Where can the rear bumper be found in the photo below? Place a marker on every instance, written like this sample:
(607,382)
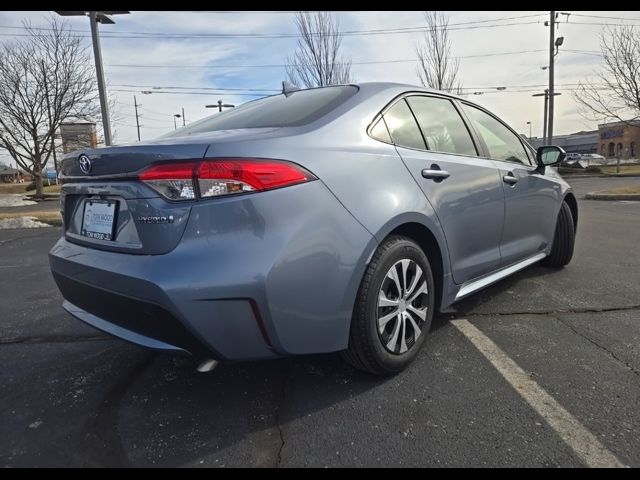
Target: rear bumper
(253,277)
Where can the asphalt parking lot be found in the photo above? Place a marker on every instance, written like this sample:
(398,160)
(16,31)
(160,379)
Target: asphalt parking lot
(72,396)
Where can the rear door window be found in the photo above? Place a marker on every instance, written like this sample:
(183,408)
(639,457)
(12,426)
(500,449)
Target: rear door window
(403,127)
(442,126)
(379,131)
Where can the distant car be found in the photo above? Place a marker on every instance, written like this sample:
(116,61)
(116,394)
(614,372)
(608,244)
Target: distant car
(320,220)
(589,159)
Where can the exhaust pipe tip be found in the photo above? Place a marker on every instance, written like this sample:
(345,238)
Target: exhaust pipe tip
(207,366)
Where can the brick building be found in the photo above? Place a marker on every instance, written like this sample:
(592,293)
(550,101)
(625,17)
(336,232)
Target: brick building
(619,140)
(78,135)
(611,140)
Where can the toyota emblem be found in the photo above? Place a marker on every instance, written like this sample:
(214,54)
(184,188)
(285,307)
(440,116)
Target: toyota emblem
(85,164)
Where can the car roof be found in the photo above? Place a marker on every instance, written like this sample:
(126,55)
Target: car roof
(402,87)
(396,88)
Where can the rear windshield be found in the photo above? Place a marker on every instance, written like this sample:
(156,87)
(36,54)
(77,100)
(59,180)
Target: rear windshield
(298,108)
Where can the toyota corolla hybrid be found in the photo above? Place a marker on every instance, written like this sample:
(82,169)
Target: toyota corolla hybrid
(321,220)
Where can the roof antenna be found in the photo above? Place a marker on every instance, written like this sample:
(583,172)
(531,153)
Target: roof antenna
(289,88)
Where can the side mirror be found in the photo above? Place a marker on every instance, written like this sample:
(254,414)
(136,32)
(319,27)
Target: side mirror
(550,155)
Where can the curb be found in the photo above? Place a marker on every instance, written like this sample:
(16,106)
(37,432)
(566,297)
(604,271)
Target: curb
(612,196)
(600,175)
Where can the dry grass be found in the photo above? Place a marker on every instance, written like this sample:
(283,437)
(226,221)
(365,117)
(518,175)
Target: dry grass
(52,218)
(622,190)
(22,188)
(623,169)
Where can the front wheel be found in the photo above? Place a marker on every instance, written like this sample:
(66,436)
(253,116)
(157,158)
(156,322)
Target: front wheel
(563,239)
(393,310)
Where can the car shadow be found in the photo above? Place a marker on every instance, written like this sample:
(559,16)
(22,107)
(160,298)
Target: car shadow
(469,305)
(170,415)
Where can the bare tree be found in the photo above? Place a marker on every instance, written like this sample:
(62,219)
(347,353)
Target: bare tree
(45,79)
(317,62)
(614,93)
(437,68)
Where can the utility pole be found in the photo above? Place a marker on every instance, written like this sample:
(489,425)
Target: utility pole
(184,122)
(552,39)
(220,105)
(544,122)
(53,133)
(135,105)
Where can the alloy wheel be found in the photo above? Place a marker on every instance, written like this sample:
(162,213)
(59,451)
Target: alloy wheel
(402,306)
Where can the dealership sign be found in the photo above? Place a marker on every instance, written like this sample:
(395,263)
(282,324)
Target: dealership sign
(612,133)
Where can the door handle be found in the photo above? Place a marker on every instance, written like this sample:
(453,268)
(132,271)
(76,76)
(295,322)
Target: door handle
(435,174)
(510,179)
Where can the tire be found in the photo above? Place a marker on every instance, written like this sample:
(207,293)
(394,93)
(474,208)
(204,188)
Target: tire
(383,339)
(563,239)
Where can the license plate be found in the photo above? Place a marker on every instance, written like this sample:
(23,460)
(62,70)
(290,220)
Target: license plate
(98,219)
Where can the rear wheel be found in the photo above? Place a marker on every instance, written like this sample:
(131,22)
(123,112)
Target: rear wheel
(393,310)
(563,240)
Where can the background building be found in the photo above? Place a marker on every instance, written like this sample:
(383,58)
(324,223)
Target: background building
(78,135)
(579,142)
(611,140)
(619,140)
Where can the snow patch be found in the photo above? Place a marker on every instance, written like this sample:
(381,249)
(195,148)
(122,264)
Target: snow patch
(21,222)
(15,200)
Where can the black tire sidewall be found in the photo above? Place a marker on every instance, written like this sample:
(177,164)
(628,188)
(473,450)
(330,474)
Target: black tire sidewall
(402,249)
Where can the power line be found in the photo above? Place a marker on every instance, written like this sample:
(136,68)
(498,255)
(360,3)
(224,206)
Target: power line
(283,65)
(604,16)
(402,30)
(261,90)
(196,93)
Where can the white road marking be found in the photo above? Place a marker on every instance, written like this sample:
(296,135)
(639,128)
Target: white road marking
(572,432)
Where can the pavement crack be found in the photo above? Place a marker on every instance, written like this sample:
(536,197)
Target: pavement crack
(19,239)
(54,339)
(283,397)
(601,347)
(460,315)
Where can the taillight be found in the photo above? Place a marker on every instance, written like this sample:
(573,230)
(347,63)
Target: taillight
(222,176)
(174,181)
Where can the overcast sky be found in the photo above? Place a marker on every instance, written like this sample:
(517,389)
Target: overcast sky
(144,50)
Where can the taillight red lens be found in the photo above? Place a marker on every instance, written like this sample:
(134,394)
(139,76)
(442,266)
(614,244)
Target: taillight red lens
(235,175)
(169,171)
(222,176)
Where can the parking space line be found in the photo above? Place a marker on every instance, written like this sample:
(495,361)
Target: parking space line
(572,432)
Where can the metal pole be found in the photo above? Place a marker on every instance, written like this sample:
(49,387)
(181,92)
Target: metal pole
(135,104)
(552,35)
(183,120)
(53,133)
(546,106)
(106,126)
(219,105)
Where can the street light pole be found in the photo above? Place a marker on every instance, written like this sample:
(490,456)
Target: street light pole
(96,17)
(97,55)
(135,105)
